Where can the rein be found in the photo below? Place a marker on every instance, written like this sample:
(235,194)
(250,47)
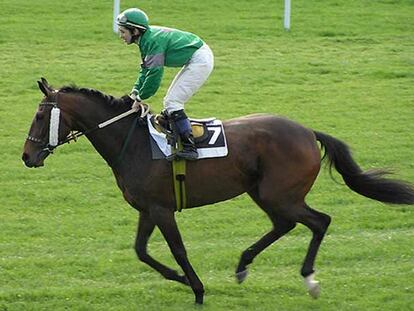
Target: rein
(73,136)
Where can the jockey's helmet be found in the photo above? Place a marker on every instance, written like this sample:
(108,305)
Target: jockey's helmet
(133,18)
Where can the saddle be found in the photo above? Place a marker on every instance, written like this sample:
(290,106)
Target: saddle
(199,127)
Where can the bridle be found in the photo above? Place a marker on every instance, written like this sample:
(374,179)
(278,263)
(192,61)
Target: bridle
(54,125)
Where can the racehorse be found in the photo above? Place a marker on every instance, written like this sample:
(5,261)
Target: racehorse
(273,159)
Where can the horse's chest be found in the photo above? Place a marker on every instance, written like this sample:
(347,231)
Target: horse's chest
(141,192)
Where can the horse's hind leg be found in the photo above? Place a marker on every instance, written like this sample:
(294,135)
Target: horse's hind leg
(281,227)
(317,222)
(284,218)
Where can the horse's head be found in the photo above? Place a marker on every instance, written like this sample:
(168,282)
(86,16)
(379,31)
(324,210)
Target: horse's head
(47,128)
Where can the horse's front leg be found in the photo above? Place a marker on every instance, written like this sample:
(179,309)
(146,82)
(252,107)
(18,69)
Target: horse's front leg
(145,229)
(165,220)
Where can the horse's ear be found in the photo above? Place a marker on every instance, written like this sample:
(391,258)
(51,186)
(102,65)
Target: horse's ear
(44,81)
(44,87)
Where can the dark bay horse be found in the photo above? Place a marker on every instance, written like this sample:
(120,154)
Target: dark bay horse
(274,160)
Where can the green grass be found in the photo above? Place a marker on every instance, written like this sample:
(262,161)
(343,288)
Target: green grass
(345,68)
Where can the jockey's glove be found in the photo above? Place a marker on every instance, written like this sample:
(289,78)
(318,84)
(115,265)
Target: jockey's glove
(136,105)
(134,95)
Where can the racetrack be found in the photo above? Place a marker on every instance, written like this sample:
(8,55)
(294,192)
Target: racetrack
(346,68)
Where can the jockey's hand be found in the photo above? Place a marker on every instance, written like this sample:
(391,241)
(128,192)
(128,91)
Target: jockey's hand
(136,105)
(137,101)
(134,95)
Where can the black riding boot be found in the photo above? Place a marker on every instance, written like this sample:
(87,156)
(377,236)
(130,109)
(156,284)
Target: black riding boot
(183,127)
(189,151)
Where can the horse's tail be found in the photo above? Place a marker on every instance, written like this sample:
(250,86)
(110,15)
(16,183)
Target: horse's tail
(371,184)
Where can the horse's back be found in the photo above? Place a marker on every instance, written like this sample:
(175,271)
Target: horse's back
(262,149)
(271,128)
(273,145)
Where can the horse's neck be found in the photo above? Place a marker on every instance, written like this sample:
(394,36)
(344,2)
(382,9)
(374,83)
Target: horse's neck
(108,141)
(84,112)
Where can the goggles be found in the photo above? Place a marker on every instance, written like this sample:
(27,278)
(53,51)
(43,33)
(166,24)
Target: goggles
(122,19)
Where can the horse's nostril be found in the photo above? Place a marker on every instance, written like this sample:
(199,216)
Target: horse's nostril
(25,157)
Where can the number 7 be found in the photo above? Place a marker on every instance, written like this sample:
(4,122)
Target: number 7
(216,134)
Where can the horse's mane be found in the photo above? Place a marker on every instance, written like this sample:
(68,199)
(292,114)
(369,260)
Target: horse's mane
(118,103)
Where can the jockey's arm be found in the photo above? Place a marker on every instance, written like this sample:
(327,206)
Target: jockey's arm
(151,72)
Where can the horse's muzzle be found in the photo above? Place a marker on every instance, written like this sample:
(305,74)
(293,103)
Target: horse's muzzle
(35,161)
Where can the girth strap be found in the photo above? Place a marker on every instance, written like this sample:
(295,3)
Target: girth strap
(179,169)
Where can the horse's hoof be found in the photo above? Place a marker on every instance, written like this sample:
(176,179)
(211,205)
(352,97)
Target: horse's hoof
(199,300)
(315,291)
(241,276)
(313,286)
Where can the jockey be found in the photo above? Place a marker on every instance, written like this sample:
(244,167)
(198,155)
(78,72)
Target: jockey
(159,47)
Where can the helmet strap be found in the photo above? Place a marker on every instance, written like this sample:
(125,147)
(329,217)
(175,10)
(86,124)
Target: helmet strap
(136,36)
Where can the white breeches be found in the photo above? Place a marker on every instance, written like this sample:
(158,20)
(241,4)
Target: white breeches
(189,79)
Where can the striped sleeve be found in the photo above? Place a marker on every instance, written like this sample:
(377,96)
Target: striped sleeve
(152,69)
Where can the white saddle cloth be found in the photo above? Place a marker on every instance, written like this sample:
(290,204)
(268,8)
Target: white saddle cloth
(214,146)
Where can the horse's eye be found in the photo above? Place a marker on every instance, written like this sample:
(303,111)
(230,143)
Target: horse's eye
(39,116)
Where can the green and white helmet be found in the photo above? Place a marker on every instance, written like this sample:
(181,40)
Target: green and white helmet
(133,18)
